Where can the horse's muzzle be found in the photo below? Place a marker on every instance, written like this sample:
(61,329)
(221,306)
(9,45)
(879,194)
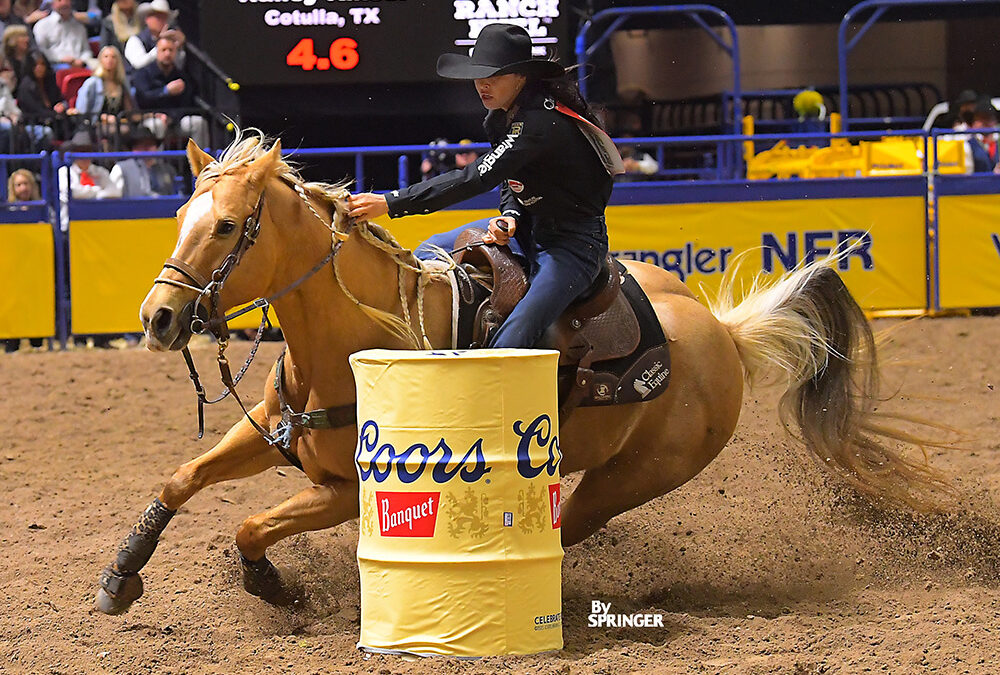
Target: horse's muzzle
(168,329)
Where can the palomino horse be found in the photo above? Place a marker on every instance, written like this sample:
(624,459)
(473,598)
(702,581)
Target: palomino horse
(260,228)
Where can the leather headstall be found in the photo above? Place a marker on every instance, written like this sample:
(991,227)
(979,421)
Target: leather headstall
(219,327)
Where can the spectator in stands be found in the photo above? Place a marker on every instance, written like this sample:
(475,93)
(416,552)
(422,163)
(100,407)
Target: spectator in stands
(964,110)
(105,96)
(146,176)
(163,86)
(84,179)
(89,13)
(140,50)
(464,158)
(436,160)
(40,99)
(121,24)
(10,133)
(16,47)
(8,17)
(638,164)
(30,10)
(808,105)
(63,38)
(984,146)
(9,116)
(22,186)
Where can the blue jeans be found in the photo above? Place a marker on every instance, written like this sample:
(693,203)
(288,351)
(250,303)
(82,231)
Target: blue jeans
(564,258)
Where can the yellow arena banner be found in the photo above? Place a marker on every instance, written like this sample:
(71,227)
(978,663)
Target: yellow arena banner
(700,241)
(27,277)
(969,251)
(112,266)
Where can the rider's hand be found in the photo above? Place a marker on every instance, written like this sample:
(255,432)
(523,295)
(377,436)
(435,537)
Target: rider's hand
(367,206)
(501,230)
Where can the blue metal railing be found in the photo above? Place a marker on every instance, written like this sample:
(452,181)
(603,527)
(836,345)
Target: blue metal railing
(708,177)
(879,8)
(618,16)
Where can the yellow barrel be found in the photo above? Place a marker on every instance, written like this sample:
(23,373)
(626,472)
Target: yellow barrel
(458,459)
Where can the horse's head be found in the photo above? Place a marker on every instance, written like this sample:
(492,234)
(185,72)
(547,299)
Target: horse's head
(222,250)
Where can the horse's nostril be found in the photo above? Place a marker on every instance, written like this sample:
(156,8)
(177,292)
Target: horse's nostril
(162,320)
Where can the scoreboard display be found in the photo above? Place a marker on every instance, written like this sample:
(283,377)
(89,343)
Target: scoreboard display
(290,42)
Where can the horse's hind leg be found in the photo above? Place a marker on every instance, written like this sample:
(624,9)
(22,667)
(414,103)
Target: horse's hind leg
(315,508)
(642,471)
(241,453)
(603,493)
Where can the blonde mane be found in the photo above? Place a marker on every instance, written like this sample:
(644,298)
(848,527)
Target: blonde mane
(251,144)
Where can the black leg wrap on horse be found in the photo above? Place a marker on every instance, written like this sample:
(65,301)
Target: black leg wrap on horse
(113,582)
(261,578)
(138,546)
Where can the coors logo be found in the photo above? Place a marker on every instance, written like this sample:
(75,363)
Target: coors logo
(407,514)
(376,459)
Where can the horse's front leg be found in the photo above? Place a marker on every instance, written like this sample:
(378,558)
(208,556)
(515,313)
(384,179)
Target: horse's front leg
(315,508)
(240,453)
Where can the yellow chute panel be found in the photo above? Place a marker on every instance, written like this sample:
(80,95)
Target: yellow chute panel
(27,281)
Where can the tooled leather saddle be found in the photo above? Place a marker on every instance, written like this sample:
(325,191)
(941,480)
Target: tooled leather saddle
(611,346)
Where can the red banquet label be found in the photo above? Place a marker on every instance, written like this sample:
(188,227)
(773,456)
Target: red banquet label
(555,508)
(407,514)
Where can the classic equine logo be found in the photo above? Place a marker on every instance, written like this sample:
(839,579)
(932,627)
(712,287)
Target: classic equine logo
(407,514)
(600,616)
(650,379)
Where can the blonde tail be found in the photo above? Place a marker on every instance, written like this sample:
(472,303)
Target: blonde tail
(809,326)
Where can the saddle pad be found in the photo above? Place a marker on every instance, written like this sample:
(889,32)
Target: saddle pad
(645,373)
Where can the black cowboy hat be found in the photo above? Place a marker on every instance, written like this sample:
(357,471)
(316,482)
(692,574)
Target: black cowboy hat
(500,49)
(140,134)
(81,141)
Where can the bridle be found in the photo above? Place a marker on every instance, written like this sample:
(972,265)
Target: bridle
(218,326)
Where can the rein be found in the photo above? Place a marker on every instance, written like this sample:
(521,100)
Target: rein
(325,418)
(219,326)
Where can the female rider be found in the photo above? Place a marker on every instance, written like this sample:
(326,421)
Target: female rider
(554,184)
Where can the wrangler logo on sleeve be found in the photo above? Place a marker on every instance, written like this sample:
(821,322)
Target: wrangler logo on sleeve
(505,145)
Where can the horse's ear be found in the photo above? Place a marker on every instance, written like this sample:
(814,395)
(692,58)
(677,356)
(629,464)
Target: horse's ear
(197,157)
(262,167)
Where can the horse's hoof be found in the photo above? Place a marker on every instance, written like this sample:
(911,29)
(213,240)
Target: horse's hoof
(117,592)
(262,579)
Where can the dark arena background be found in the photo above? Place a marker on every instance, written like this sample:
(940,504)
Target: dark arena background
(768,134)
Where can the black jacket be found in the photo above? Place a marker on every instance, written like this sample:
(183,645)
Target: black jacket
(545,165)
(31,98)
(151,88)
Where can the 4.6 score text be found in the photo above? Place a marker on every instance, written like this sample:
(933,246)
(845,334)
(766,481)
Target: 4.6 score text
(343,55)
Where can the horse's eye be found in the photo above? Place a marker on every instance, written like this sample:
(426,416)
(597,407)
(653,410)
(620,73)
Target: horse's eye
(225,227)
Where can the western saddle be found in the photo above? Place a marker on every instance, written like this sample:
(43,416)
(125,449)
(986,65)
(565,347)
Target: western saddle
(599,327)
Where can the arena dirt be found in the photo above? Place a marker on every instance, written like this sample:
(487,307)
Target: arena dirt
(759,565)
